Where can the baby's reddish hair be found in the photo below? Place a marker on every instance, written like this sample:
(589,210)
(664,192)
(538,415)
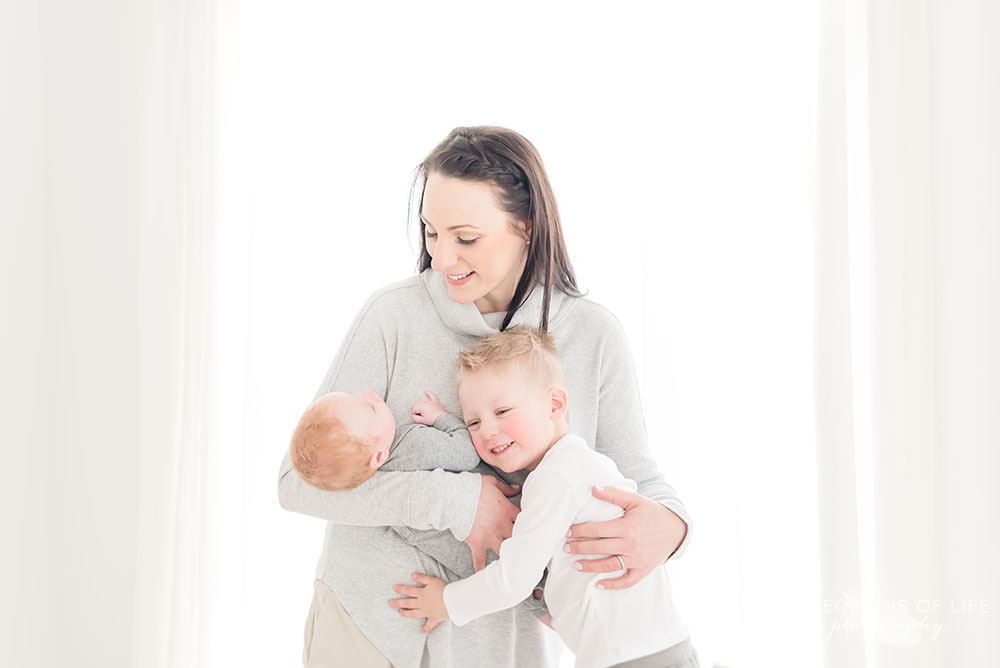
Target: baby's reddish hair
(325,454)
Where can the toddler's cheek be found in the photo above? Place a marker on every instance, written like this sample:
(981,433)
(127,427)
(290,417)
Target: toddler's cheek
(482,452)
(516,430)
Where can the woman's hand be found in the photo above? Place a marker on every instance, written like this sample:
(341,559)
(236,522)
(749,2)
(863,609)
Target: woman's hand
(423,602)
(427,411)
(494,521)
(644,538)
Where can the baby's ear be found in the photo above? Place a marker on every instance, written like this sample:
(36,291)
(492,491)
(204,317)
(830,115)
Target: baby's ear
(378,458)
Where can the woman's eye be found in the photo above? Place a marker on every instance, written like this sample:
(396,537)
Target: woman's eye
(430,235)
(467,242)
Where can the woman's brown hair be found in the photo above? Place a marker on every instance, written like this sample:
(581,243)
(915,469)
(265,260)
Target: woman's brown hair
(510,164)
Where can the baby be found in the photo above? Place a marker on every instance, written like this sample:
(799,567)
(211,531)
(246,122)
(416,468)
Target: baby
(514,402)
(341,439)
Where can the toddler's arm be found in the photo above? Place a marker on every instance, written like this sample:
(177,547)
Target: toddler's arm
(548,506)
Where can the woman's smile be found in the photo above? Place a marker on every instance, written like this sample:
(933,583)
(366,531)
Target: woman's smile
(459,279)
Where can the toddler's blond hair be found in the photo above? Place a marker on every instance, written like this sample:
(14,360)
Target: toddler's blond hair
(325,454)
(532,350)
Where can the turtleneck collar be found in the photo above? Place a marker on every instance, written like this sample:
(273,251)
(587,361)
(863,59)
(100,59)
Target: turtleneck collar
(466,318)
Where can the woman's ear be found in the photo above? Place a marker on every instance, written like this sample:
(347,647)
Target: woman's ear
(526,230)
(559,402)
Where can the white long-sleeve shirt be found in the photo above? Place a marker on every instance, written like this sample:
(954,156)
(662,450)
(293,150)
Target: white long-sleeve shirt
(602,627)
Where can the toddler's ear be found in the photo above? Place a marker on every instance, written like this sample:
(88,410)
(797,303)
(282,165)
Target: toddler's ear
(559,401)
(378,458)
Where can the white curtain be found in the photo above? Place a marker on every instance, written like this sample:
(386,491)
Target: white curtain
(108,264)
(908,320)
(189,593)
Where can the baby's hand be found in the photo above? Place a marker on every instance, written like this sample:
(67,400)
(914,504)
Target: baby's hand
(427,411)
(423,602)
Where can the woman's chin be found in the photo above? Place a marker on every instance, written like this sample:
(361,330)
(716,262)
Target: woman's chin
(460,296)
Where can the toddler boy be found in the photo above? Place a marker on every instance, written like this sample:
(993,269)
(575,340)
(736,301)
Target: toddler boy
(514,403)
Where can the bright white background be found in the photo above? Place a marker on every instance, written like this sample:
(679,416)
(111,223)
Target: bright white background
(676,138)
(791,206)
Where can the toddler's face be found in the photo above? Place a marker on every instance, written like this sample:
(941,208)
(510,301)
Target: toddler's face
(509,417)
(366,416)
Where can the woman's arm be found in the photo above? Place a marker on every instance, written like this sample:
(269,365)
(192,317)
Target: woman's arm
(419,499)
(656,523)
(472,507)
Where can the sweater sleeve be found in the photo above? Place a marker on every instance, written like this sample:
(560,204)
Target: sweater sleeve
(446,445)
(420,499)
(621,428)
(548,506)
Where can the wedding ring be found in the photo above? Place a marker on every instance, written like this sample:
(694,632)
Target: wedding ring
(621,561)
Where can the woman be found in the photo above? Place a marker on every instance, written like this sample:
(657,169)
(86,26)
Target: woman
(492,256)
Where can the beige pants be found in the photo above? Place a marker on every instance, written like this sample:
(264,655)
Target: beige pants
(332,639)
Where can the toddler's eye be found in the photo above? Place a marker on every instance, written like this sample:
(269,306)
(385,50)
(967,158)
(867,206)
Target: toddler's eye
(502,411)
(473,424)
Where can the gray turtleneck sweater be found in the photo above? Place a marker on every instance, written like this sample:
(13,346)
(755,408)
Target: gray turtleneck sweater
(404,341)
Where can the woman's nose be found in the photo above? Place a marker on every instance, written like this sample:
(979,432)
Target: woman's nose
(444,258)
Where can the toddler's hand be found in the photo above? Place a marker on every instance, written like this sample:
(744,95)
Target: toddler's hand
(424,602)
(427,411)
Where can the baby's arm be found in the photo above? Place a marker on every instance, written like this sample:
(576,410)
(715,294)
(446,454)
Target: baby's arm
(438,440)
(548,506)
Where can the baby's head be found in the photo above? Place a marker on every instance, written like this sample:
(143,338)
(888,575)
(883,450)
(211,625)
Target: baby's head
(513,397)
(341,439)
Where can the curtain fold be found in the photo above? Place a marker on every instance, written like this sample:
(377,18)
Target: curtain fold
(178,222)
(837,130)
(964,75)
(903,327)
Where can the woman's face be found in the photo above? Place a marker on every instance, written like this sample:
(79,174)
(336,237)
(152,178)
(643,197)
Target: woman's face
(472,242)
